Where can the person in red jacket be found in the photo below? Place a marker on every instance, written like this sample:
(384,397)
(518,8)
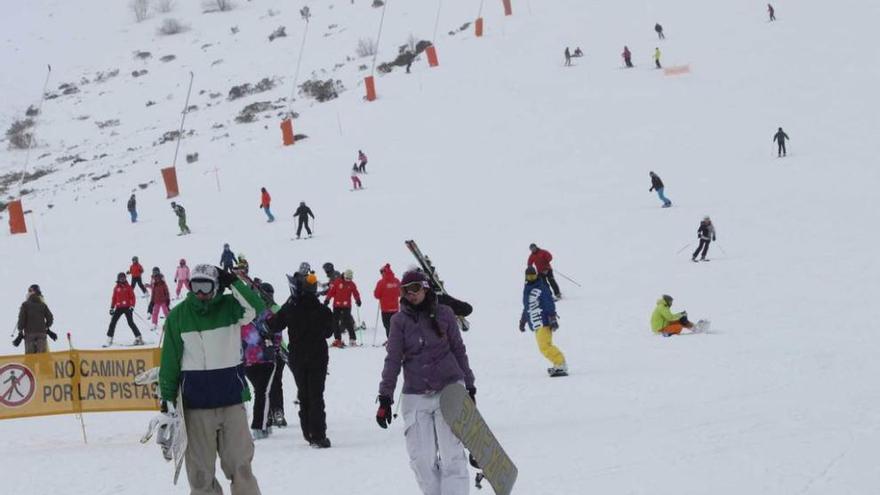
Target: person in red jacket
(122,304)
(540,259)
(136,271)
(341,291)
(265,201)
(387,291)
(161,296)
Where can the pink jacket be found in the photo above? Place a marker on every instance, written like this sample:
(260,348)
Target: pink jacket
(182,273)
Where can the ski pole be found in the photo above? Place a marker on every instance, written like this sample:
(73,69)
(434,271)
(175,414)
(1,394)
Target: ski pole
(376,327)
(683,248)
(566,277)
(722,249)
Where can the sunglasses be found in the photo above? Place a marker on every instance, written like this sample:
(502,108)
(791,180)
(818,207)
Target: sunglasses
(202,286)
(414,287)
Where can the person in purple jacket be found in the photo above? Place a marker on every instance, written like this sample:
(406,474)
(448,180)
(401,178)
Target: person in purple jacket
(426,342)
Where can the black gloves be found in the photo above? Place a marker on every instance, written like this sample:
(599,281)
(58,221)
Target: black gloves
(554,324)
(18,338)
(522,324)
(52,335)
(358,303)
(111,311)
(225,279)
(383,414)
(472,391)
(326,302)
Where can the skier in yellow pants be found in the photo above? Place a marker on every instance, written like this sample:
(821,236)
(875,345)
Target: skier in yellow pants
(539,311)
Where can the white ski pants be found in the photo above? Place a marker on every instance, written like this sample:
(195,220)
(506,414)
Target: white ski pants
(436,456)
(223,431)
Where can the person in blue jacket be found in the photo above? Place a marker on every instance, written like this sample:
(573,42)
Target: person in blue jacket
(227,259)
(539,311)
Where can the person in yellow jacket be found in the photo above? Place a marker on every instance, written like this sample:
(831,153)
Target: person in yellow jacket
(657,57)
(665,322)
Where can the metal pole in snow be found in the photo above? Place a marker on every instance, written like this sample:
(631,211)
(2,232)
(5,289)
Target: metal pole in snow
(183,118)
(79,415)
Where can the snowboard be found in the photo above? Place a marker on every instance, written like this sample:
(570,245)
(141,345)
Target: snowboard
(702,326)
(171,428)
(468,425)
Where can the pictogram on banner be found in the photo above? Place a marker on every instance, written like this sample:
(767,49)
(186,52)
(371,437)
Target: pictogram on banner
(17,385)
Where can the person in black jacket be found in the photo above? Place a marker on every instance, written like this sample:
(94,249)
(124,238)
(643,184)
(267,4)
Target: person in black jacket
(706,234)
(657,185)
(309,324)
(132,208)
(659,29)
(780,137)
(34,320)
(302,215)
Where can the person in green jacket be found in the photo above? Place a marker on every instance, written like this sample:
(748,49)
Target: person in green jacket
(202,365)
(665,322)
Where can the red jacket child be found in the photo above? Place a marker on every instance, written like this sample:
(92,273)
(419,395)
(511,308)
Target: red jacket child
(265,199)
(136,270)
(341,291)
(160,293)
(123,294)
(387,291)
(540,259)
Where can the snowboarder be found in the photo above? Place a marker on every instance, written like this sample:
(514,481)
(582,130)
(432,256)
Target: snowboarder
(657,185)
(355,180)
(201,356)
(567,57)
(780,138)
(426,342)
(132,209)
(341,291)
(627,57)
(181,276)
(34,320)
(265,201)
(410,58)
(772,12)
(578,53)
(261,350)
(180,211)
(706,234)
(122,304)
(665,322)
(227,258)
(387,291)
(362,162)
(136,271)
(302,215)
(657,57)
(160,296)
(539,311)
(540,259)
(309,325)
(332,274)
(659,30)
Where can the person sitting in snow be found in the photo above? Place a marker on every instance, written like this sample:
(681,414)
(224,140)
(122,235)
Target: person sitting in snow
(665,322)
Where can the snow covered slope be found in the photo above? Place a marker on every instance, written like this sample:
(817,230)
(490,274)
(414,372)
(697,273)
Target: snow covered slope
(498,147)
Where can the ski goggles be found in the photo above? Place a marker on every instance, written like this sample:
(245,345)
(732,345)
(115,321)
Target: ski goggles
(201,286)
(413,287)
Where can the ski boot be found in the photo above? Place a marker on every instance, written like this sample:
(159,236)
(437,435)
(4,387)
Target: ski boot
(109,342)
(138,340)
(337,343)
(561,370)
(321,443)
(278,419)
(352,342)
(261,434)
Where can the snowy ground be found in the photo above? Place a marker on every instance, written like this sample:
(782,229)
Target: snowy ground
(498,147)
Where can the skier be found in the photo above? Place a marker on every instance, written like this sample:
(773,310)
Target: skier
(426,342)
(136,271)
(362,162)
(780,138)
(659,29)
(261,349)
(309,325)
(355,180)
(265,201)
(706,234)
(302,215)
(332,274)
(567,57)
(181,218)
(276,390)
(122,304)
(160,298)
(665,322)
(657,185)
(132,209)
(411,57)
(627,57)
(341,291)
(539,311)
(578,53)
(227,258)
(34,320)
(772,12)
(387,291)
(201,356)
(540,259)
(657,57)
(181,276)
(241,264)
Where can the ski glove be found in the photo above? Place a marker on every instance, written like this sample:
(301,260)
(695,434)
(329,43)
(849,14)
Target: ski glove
(554,324)
(52,335)
(358,303)
(18,338)
(111,311)
(522,324)
(383,414)
(224,278)
(472,391)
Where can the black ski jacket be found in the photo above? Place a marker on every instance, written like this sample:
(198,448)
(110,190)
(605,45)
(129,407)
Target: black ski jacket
(780,136)
(656,183)
(34,317)
(303,213)
(309,324)
(132,204)
(706,231)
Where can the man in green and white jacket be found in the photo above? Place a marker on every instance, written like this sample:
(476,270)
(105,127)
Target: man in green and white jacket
(202,357)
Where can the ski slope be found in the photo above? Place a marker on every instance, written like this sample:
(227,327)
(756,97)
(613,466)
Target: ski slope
(497,147)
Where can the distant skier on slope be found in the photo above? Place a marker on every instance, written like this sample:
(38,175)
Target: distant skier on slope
(302,215)
(657,57)
(122,304)
(659,30)
(132,209)
(780,138)
(540,259)
(667,323)
(181,218)
(772,12)
(539,311)
(657,185)
(355,179)
(362,162)
(266,203)
(567,57)
(578,52)
(136,270)
(706,234)
(627,57)
(227,258)
(387,291)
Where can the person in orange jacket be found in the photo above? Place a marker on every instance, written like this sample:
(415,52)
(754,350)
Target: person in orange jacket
(341,291)
(122,304)
(540,259)
(136,271)
(387,291)
(265,201)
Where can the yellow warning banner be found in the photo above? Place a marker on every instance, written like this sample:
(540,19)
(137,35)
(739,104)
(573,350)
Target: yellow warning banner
(74,382)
